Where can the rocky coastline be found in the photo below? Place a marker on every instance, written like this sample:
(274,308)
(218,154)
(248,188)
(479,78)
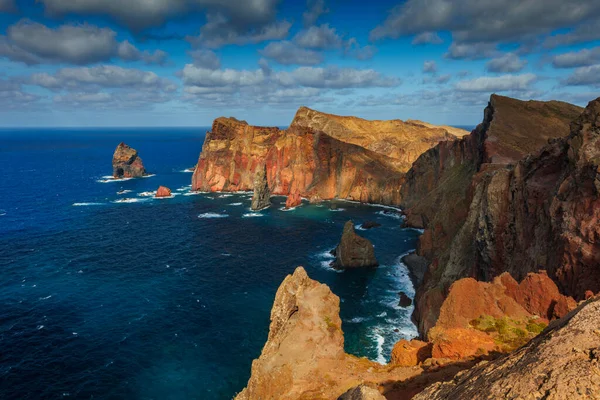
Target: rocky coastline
(509,215)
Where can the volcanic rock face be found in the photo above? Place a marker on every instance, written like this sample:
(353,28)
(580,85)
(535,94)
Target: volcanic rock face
(486,212)
(262,195)
(561,363)
(163,191)
(354,251)
(320,156)
(304,357)
(293,200)
(126,163)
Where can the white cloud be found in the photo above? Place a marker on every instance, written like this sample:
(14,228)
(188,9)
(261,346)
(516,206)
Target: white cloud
(585,57)
(508,62)
(287,53)
(316,8)
(497,84)
(429,67)
(318,37)
(427,38)
(589,75)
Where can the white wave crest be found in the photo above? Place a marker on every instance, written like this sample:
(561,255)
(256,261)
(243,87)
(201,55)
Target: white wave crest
(86,204)
(147,194)
(252,214)
(212,215)
(130,200)
(390,214)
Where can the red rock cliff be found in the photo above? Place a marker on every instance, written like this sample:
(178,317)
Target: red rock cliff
(502,210)
(320,155)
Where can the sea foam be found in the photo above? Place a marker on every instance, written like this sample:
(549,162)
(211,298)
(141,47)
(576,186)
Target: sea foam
(212,215)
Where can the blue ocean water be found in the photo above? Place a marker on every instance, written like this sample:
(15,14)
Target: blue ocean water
(121,296)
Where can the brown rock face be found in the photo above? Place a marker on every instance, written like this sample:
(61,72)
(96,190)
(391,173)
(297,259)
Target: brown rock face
(126,163)
(561,363)
(304,357)
(293,200)
(486,212)
(163,191)
(354,251)
(262,194)
(362,392)
(321,156)
(408,353)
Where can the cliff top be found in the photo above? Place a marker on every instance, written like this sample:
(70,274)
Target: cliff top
(518,128)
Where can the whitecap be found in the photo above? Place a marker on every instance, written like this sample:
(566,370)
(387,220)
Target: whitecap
(39,327)
(86,204)
(148,176)
(187,170)
(380,340)
(252,214)
(337,209)
(394,215)
(45,298)
(235,204)
(222,196)
(111,179)
(213,215)
(192,193)
(124,191)
(2,213)
(147,194)
(172,196)
(130,200)
(359,227)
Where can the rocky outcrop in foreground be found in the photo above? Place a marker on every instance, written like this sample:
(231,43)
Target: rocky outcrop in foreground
(562,363)
(262,194)
(320,156)
(488,207)
(163,191)
(354,251)
(126,163)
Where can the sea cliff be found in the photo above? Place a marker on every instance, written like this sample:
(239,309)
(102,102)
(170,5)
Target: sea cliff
(320,156)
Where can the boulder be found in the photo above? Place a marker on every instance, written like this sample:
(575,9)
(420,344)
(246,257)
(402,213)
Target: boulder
(262,195)
(362,392)
(163,191)
(405,301)
(410,353)
(354,251)
(126,163)
(370,224)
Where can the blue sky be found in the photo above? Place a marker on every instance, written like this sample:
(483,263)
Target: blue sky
(186,62)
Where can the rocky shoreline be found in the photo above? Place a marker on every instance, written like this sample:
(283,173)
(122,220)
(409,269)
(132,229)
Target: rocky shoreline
(510,225)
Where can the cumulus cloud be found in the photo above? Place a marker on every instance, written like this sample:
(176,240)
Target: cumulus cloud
(14,98)
(316,8)
(429,67)
(582,58)
(141,14)
(509,62)
(497,84)
(585,32)
(218,32)
(589,75)
(478,20)
(336,78)
(207,78)
(427,38)
(353,49)
(33,43)
(318,37)
(204,58)
(470,51)
(102,76)
(287,53)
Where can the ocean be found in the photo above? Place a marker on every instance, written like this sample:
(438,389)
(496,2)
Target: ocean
(122,296)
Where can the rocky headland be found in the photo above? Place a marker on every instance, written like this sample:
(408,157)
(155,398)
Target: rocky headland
(320,156)
(127,163)
(510,245)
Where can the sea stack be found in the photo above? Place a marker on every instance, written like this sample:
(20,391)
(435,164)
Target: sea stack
(354,251)
(163,191)
(262,194)
(126,163)
(293,200)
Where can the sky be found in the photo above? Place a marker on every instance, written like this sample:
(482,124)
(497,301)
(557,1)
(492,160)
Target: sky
(87,63)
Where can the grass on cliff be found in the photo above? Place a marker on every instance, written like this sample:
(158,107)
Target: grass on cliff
(508,333)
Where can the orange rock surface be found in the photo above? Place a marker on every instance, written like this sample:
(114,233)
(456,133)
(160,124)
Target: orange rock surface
(163,191)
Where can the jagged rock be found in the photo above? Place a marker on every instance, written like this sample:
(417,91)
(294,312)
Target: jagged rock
(354,251)
(320,156)
(126,163)
(405,301)
(410,353)
(262,195)
(561,363)
(370,224)
(163,191)
(417,266)
(362,392)
(488,208)
(293,200)
(304,357)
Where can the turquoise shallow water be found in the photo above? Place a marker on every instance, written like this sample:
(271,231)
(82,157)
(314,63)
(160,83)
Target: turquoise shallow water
(111,296)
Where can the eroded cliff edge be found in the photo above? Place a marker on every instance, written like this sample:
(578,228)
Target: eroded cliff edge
(517,195)
(319,156)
